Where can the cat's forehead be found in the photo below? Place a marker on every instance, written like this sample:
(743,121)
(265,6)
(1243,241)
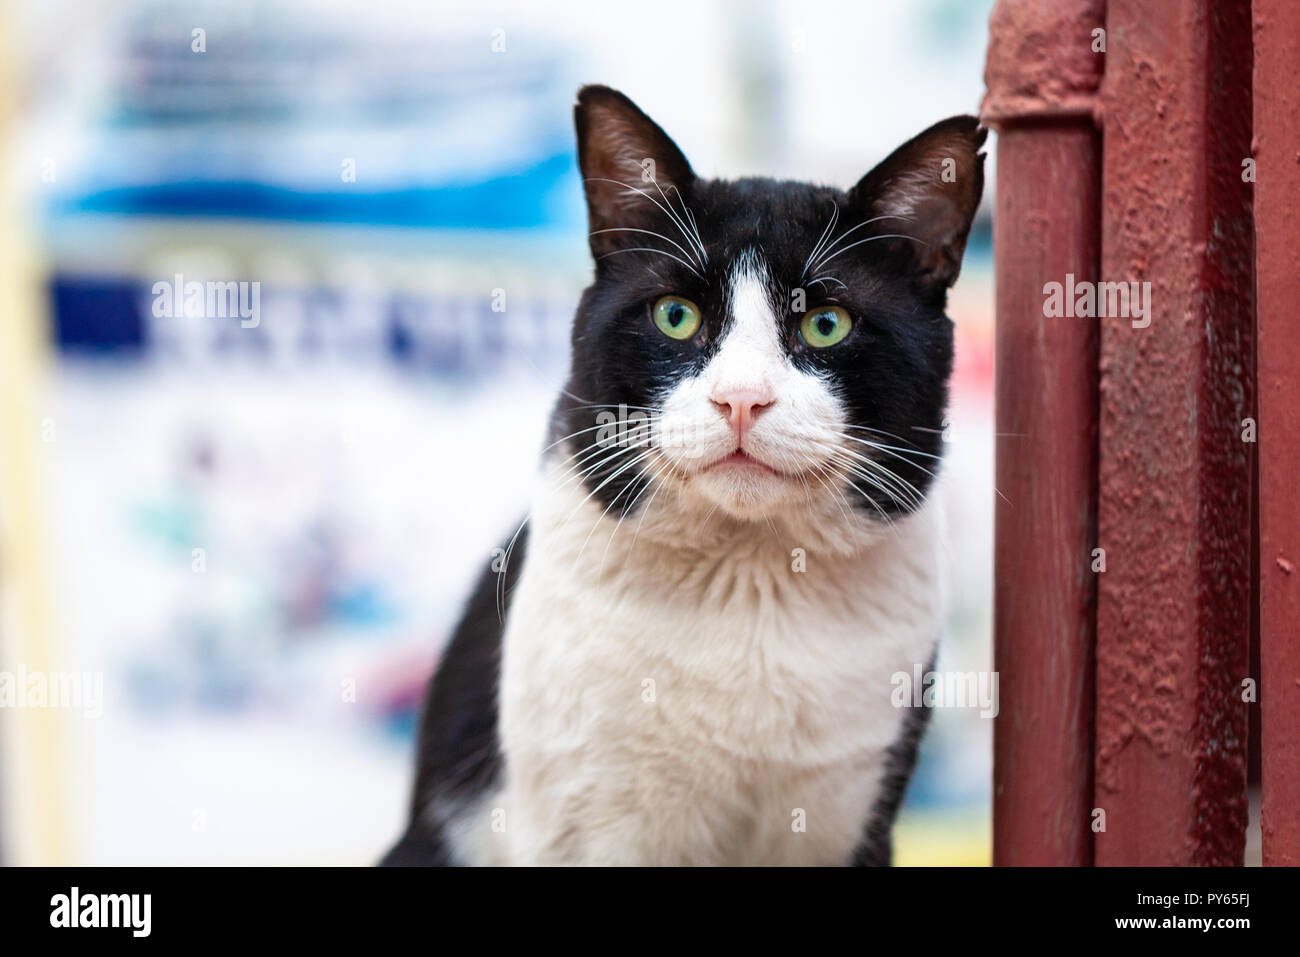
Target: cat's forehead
(753,203)
(780,220)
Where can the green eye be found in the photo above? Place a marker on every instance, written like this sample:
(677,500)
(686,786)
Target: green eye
(825,326)
(677,318)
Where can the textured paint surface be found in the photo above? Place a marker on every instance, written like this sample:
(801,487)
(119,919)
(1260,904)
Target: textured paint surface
(1046,524)
(1041,77)
(1040,61)
(1175,474)
(1277,232)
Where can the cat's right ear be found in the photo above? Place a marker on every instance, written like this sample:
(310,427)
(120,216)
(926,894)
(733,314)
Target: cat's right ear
(928,190)
(629,164)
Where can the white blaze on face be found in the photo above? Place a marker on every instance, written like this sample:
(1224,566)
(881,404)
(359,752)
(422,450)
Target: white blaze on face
(794,431)
(751,357)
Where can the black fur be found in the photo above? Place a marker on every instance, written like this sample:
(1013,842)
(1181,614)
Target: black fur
(458,754)
(877,847)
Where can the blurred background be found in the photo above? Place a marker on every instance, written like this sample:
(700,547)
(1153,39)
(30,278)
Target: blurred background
(260,535)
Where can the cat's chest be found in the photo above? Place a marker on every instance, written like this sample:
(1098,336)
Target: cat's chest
(766,648)
(642,684)
(757,666)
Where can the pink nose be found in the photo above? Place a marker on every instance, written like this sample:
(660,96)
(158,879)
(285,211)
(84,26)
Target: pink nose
(741,407)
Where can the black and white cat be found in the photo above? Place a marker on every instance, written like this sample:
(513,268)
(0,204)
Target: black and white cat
(687,658)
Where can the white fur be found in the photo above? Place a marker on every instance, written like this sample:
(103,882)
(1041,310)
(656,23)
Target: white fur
(673,691)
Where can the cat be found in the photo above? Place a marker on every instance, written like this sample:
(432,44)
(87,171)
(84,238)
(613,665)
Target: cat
(686,656)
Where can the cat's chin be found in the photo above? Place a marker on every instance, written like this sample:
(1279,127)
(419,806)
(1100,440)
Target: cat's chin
(745,488)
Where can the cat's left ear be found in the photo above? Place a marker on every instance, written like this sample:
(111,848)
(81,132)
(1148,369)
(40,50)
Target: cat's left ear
(929,188)
(630,168)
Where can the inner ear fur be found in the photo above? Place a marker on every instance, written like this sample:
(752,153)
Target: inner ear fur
(629,164)
(928,189)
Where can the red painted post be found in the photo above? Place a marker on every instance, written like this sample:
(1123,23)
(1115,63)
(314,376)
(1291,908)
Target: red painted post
(1277,262)
(1174,472)
(1042,79)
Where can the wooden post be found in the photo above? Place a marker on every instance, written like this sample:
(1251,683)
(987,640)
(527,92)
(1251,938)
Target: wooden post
(1042,78)
(1175,471)
(1277,259)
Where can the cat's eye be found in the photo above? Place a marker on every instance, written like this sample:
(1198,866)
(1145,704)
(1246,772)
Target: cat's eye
(825,326)
(677,318)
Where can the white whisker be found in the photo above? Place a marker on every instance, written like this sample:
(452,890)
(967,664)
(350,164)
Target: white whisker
(704,256)
(648,232)
(827,279)
(648,249)
(870,239)
(835,215)
(699,241)
(666,211)
(825,255)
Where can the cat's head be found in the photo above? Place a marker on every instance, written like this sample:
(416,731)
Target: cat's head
(757,346)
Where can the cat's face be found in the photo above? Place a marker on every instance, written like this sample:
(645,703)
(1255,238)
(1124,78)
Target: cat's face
(760,347)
